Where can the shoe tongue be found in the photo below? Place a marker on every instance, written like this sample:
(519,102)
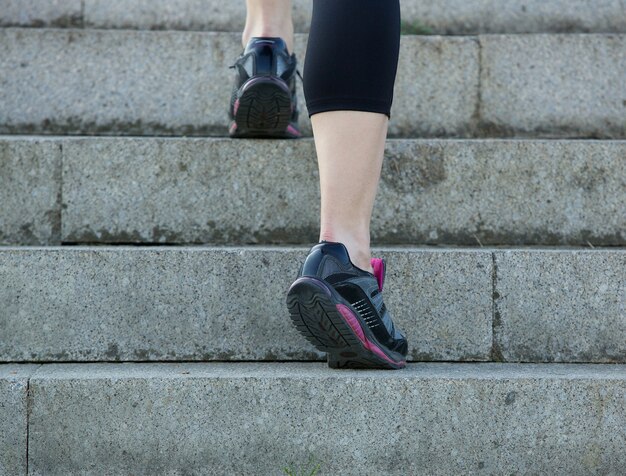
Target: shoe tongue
(379,271)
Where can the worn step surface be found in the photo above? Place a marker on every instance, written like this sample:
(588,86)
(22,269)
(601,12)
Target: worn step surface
(260,418)
(172,83)
(177,191)
(419,16)
(169,304)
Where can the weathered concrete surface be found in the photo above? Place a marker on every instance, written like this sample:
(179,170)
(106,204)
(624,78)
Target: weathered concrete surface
(259,418)
(553,85)
(77,81)
(502,192)
(168,304)
(562,306)
(432,191)
(437,87)
(38,13)
(164,191)
(516,16)
(146,83)
(30,191)
(190,191)
(74,81)
(443,17)
(210,15)
(13,417)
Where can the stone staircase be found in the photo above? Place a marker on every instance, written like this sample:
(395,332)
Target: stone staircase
(146,257)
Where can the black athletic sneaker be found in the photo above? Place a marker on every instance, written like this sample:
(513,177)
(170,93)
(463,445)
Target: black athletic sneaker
(263,103)
(339,308)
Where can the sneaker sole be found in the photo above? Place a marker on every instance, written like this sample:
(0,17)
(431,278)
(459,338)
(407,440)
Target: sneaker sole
(262,109)
(333,327)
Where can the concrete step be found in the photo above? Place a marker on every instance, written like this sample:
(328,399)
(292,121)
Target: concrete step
(164,190)
(172,304)
(13,418)
(173,83)
(252,419)
(419,16)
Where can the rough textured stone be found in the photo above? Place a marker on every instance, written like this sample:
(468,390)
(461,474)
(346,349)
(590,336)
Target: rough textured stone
(562,306)
(95,304)
(146,83)
(257,419)
(190,191)
(485,191)
(437,87)
(54,13)
(13,418)
(502,192)
(30,191)
(515,16)
(439,299)
(553,85)
(80,82)
(166,14)
(211,15)
(422,16)
(115,81)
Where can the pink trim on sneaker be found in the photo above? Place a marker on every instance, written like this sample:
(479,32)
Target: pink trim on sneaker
(354,324)
(236,106)
(379,271)
(293,131)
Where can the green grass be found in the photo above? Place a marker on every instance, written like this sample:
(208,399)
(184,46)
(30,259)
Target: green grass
(310,469)
(415,28)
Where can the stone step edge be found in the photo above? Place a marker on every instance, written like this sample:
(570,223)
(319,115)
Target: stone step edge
(82,201)
(309,370)
(499,311)
(26,136)
(445,17)
(446,418)
(305,246)
(479,95)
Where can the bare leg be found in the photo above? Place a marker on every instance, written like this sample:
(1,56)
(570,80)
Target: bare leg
(349,74)
(350,147)
(269,18)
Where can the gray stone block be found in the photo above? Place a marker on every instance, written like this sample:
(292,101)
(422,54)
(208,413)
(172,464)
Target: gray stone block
(515,16)
(30,191)
(209,15)
(120,82)
(190,191)
(561,306)
(442,17)
(502,192)
(109,304)
(166,14)
(80,82)
(485,191)
(252,419)
(437,87)
(38,13)
(553,85)
(13,417)
(173,83)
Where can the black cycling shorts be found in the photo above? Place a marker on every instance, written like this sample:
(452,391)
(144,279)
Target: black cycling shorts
(352,55)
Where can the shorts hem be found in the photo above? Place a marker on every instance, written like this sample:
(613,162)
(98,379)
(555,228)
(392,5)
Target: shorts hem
(356,104)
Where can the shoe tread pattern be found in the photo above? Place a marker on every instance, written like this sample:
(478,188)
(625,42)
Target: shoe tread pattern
(264,111)
(318,320)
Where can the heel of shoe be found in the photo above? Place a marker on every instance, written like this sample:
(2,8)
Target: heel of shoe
(264,108)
